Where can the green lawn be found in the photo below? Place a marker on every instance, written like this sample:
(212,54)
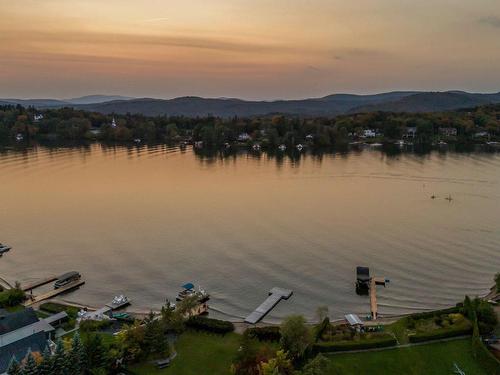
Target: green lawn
(198,353)
(431,359)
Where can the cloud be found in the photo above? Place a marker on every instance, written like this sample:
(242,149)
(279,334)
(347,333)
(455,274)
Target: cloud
(490,21)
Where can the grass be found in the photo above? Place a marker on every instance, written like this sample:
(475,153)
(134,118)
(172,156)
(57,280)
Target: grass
(431,359)
(198,353)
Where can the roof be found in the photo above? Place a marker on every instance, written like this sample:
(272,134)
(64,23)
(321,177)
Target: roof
(19,349)
(353,319)
(67,275)
(24,332)
(188,286)
(56,317)
(16,320)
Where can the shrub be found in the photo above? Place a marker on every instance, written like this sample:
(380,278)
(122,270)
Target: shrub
(201,323)
(347,345)
(11,297)
(459,329)
(94,325)
(432,314)
(320,329)
(265,333)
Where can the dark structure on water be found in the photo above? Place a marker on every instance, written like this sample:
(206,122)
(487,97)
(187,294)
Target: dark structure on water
(362,280)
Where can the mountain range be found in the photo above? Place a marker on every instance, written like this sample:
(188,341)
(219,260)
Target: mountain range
(190,106)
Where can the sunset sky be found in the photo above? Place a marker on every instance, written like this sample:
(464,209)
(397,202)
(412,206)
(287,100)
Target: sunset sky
(249,49)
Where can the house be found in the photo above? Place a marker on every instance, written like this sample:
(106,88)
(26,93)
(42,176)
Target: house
(354,321)
(369,133)
(22,331)
(243,137)
(481,134)
(411,132)
(38,117)
(448,132)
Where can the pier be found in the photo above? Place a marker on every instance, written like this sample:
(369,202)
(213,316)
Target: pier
(38,283)
(374,281)
(275,295)
(55,292)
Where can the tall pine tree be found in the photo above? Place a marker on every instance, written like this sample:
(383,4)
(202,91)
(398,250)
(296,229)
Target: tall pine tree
(14,368)
(45,367)
(59,363)
(96,353)
(30,367)
(77,356)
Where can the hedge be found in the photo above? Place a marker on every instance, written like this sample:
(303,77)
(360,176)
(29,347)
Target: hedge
(55,308)
(432,314)
(347,345)
(442,333)
(201,323)
(94,325)
(265,333)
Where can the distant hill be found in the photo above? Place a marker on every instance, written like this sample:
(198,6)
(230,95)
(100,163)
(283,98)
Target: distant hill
(39,103)
(90,99)
(432,102)
(195,106)
(331,105)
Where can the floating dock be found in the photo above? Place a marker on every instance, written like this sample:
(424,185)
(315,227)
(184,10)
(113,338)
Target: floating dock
(105,310)
(275,295)
(53,293)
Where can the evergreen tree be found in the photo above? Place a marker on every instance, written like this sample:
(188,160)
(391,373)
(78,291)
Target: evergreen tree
(96,353)
(45,367)
(14,368)
(77,355)
(59,364)
(30,367)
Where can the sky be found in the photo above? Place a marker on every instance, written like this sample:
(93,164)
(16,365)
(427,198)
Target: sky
(251,49)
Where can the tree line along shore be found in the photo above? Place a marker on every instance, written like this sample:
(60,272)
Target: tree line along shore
(468,126)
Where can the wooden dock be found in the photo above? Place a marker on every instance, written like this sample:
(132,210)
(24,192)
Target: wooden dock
(275,295)
(374,281)
(39,283)
(53,293)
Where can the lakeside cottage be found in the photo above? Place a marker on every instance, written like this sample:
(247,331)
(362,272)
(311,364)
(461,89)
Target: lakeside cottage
(448,132)
(369,133)
(22,332)
(243,137)
(411,132)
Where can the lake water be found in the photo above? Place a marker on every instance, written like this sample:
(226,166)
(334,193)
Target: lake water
(144,220)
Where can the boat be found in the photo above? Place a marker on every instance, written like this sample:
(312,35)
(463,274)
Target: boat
(256,147)
(282,147)
(137,140)
(189,290)
(376,144)
(442,143)
(19,137)
(299,147)
(4,249)
(66,279)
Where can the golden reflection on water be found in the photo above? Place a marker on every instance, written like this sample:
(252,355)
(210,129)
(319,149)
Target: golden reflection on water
(142,221)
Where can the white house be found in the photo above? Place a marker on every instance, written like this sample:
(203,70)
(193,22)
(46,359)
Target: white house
(243,137)
(369,133)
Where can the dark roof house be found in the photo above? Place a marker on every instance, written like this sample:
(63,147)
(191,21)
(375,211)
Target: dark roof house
(12,321)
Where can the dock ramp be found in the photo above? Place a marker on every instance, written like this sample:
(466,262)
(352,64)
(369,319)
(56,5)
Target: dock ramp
(275,295)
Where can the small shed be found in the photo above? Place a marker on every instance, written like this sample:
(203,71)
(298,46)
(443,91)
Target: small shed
(353,320)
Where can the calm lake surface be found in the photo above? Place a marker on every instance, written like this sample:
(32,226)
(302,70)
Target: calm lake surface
(144,220)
